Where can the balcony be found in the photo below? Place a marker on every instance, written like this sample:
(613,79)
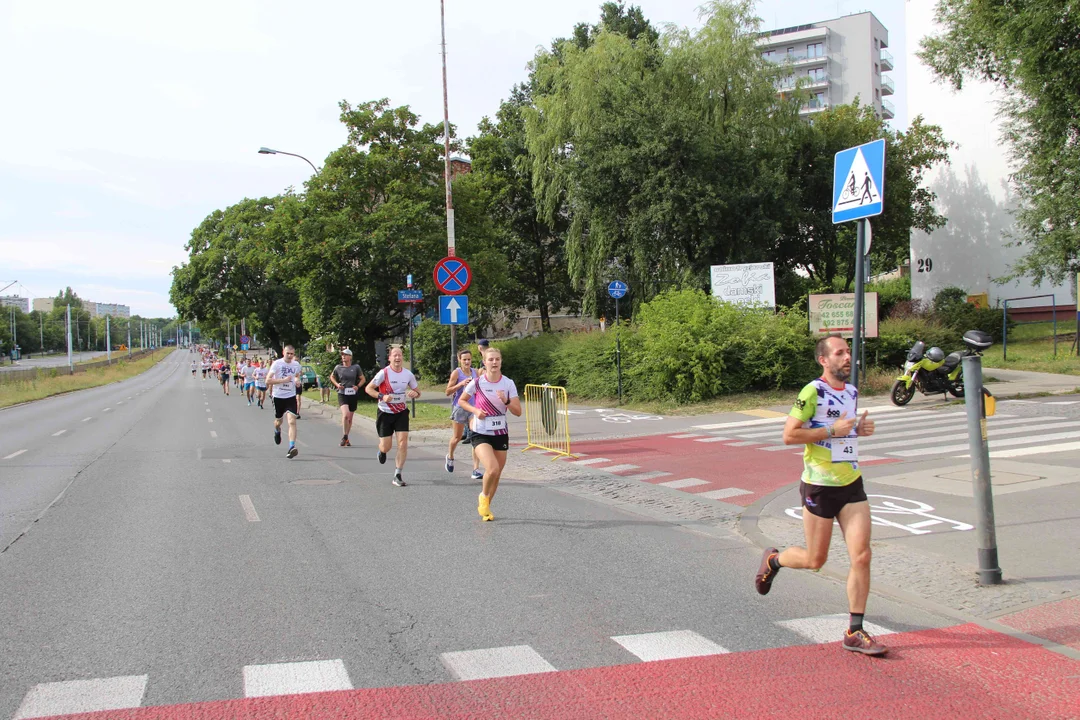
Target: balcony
(886,60)
(888,110)
(817,81)
(888,87)
(797,59)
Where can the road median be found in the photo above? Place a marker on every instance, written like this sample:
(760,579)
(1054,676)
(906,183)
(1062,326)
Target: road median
(60,382)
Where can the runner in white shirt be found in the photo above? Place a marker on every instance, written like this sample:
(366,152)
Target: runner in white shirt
(193,368)
(282,378)
(488,398)
(260,381)
(249,381)
(392,386)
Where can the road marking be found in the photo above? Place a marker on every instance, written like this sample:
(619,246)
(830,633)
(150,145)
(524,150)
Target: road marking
(712,439)
(779,448)
(88,419)
(226,461)
(1020,452)
(723,494)
(106,410)
(744,443)
(684,483)
(763,413)
(295,677)
(58,433)
(119,402)
(81,696)
(590,461)
(619,468)
(670,645)
(744,423)
(249,508)
(209,419)
(208,409)
(647,475)
(684,436)
(828,628)
(17,453)
(1007,442)
(1053,425)
(128,397)
(495,662)
(213,434)
(910,416)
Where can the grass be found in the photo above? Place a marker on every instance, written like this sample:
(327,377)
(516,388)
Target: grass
(43,387)
(428,416)
(1036,356)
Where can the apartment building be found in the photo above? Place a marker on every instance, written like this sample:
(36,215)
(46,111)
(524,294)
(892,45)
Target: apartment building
(16,302)
(836,61)
(44,305)
(97,309)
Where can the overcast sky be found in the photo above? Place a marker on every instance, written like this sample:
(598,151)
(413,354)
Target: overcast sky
(125,123)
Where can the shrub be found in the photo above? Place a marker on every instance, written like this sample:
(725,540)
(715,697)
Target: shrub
(432,343)
(529,360)
(584,363)
(890,293)
(896,336)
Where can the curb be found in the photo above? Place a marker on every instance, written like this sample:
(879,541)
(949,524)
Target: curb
(748,527)
(69,392)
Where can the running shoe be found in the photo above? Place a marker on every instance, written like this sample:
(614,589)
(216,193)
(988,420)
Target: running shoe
(477,475)
(449,464)
(382,458)
(483,507)
(347,443)
(861,642)
(297,416)
(249,403)
(343,441)
(763,579)
(398,480)
(293,452)
(277,437)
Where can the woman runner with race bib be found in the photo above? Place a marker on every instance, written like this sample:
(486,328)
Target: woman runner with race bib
(487,398)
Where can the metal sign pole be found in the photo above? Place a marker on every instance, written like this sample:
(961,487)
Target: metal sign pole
(857,331)
(618,350)
(985,533)
(412,351)
(451,244)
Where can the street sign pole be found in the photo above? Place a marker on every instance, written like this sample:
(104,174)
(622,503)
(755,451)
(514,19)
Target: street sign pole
(985,532)
(451,248)
(857,331)
(108,341)
(412,351)
(618,350)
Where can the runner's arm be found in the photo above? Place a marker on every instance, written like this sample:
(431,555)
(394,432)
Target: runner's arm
(372,390)
(796,434)
(451,386)
(514,406)
(463,403)
(413,391)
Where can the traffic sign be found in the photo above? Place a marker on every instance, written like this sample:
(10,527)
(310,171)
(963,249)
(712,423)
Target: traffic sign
(243,346)
(453,309)
(410,296)
(859,182)
(452,276)
(244,340)
(617,289)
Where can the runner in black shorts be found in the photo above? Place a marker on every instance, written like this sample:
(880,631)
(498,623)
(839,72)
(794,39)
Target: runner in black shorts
(825,420)
(392,386)
(348,379)
(223,376)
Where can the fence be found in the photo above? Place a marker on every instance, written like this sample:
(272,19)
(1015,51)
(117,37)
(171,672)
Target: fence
(1005,322)
(547,420)
(31,374)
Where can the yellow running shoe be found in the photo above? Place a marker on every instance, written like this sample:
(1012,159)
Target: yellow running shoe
(484,508)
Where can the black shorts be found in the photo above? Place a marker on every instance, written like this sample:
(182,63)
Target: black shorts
(284,405)
(497,442)
(827,502)
(349,400)
(386,424)
(224,378)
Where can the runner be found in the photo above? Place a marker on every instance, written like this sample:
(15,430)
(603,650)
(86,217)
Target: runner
(205,367)
(224,376)
(391,386)
(824,419)
(193,368)
(260,383)
(488,397)
(283,377)
(459,418)
(238,376)
(249,382)
(348,379)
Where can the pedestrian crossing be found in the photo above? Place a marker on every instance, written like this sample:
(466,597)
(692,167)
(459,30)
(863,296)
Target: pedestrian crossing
(317,676)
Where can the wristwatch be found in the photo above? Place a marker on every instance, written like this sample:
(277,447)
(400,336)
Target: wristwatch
(828,431)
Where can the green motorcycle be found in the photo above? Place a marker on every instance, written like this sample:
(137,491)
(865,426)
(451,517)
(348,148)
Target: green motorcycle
(932,371)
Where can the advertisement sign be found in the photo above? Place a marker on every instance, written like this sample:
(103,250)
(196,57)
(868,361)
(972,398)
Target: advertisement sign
(749,284)
(836,314)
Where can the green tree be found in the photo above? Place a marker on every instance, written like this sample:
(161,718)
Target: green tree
(1031,50)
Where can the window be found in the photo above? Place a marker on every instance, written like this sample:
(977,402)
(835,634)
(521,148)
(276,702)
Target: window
(815,50)
(768,54)
(877,94)
(877,71)
(816,75)
(791,51)
(877,44)
(818,100)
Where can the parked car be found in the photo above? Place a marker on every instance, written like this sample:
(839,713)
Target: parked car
(308,377)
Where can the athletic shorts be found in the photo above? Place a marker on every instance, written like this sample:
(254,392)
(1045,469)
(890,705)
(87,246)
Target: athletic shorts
(497,442)
(460,415)
(284,405)
(224,378)
(260,388)
(349,400)
(826,501)
(386,424)
(248,385)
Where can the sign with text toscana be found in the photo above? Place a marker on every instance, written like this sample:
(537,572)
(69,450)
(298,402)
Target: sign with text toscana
(749,284)
(836,314)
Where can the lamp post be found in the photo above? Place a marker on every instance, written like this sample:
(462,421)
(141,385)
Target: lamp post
(268,151)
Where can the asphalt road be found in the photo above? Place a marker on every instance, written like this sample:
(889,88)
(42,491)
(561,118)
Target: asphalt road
(57,360)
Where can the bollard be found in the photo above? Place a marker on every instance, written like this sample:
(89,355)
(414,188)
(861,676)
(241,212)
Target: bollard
(986,536)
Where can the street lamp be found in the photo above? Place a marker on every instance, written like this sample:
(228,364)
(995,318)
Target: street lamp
(268,151)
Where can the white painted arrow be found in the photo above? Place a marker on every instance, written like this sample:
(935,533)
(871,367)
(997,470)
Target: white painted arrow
(453,306)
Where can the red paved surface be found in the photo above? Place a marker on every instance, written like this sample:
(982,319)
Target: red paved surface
(1057,621)
(959,672)
(723,466)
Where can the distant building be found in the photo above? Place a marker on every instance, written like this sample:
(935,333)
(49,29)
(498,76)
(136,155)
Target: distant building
(840,60)
(459,166)
(43,305)
(16,302)
(97,309)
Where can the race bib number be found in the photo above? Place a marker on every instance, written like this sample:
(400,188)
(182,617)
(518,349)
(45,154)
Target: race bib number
(491,424)
(348,391)
(395,398)
(845,449)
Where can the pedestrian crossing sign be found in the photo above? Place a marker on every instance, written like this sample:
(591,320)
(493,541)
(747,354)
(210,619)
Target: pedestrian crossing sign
(859,182)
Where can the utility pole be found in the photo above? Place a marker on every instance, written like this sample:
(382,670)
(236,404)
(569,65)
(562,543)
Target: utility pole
(71,366)
(41,319)
(451,243)
(129,338)
(108,340)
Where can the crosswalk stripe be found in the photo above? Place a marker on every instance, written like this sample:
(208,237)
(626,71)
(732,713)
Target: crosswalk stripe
(670,645)
(295,677)
(828,628)
(82,696)
(723,494)
(495,662)
(17,453)
(619,468)
(742,423)
(964,435)
(684,436)
(1007,442)
(713,439)
(684,483)
(745,443)
(1021,452)
(950,418)
(647,475)
(590,461)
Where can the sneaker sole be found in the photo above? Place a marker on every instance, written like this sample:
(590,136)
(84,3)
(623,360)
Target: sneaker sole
(871,652)
(765,572)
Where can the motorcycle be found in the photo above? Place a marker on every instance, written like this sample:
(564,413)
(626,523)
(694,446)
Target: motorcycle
(932,371)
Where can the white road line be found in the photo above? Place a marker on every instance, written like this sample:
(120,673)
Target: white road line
(208,409)
(209,419)
(249,508)
(744,443)
(723,494)
(875,446)
(58,433)
(17,453)
(684,483)
(1007,442)
(828,628)
(106,410)
(742,423)
(590,461)
(775,433)
(128,397)
(1021,452)
(226,461)
(684,436)
(713,439)
(119,402)
(619,468)
(213,434)
(780,448)
(295,677)
(669,645)
(88,419)
(495,662)
(82,696)
(647,475)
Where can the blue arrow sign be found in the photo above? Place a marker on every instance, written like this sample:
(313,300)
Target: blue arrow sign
(617,289)
(859,182)
(453,309)
(410,296)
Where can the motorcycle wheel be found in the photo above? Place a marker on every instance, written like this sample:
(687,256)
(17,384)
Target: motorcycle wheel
(901,393)
(957,388)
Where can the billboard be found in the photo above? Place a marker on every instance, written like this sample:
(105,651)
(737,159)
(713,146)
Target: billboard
(836,314)
(748,284)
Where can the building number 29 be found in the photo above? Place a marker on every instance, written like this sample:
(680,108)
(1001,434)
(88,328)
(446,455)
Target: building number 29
(926,265)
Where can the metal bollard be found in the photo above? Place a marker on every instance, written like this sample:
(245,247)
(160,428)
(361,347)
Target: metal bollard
(986,535)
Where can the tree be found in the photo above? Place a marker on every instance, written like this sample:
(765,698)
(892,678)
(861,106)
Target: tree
(1031,50)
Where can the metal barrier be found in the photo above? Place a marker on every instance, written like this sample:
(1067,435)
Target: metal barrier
(35,373)
(1005,322)
(547,420)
